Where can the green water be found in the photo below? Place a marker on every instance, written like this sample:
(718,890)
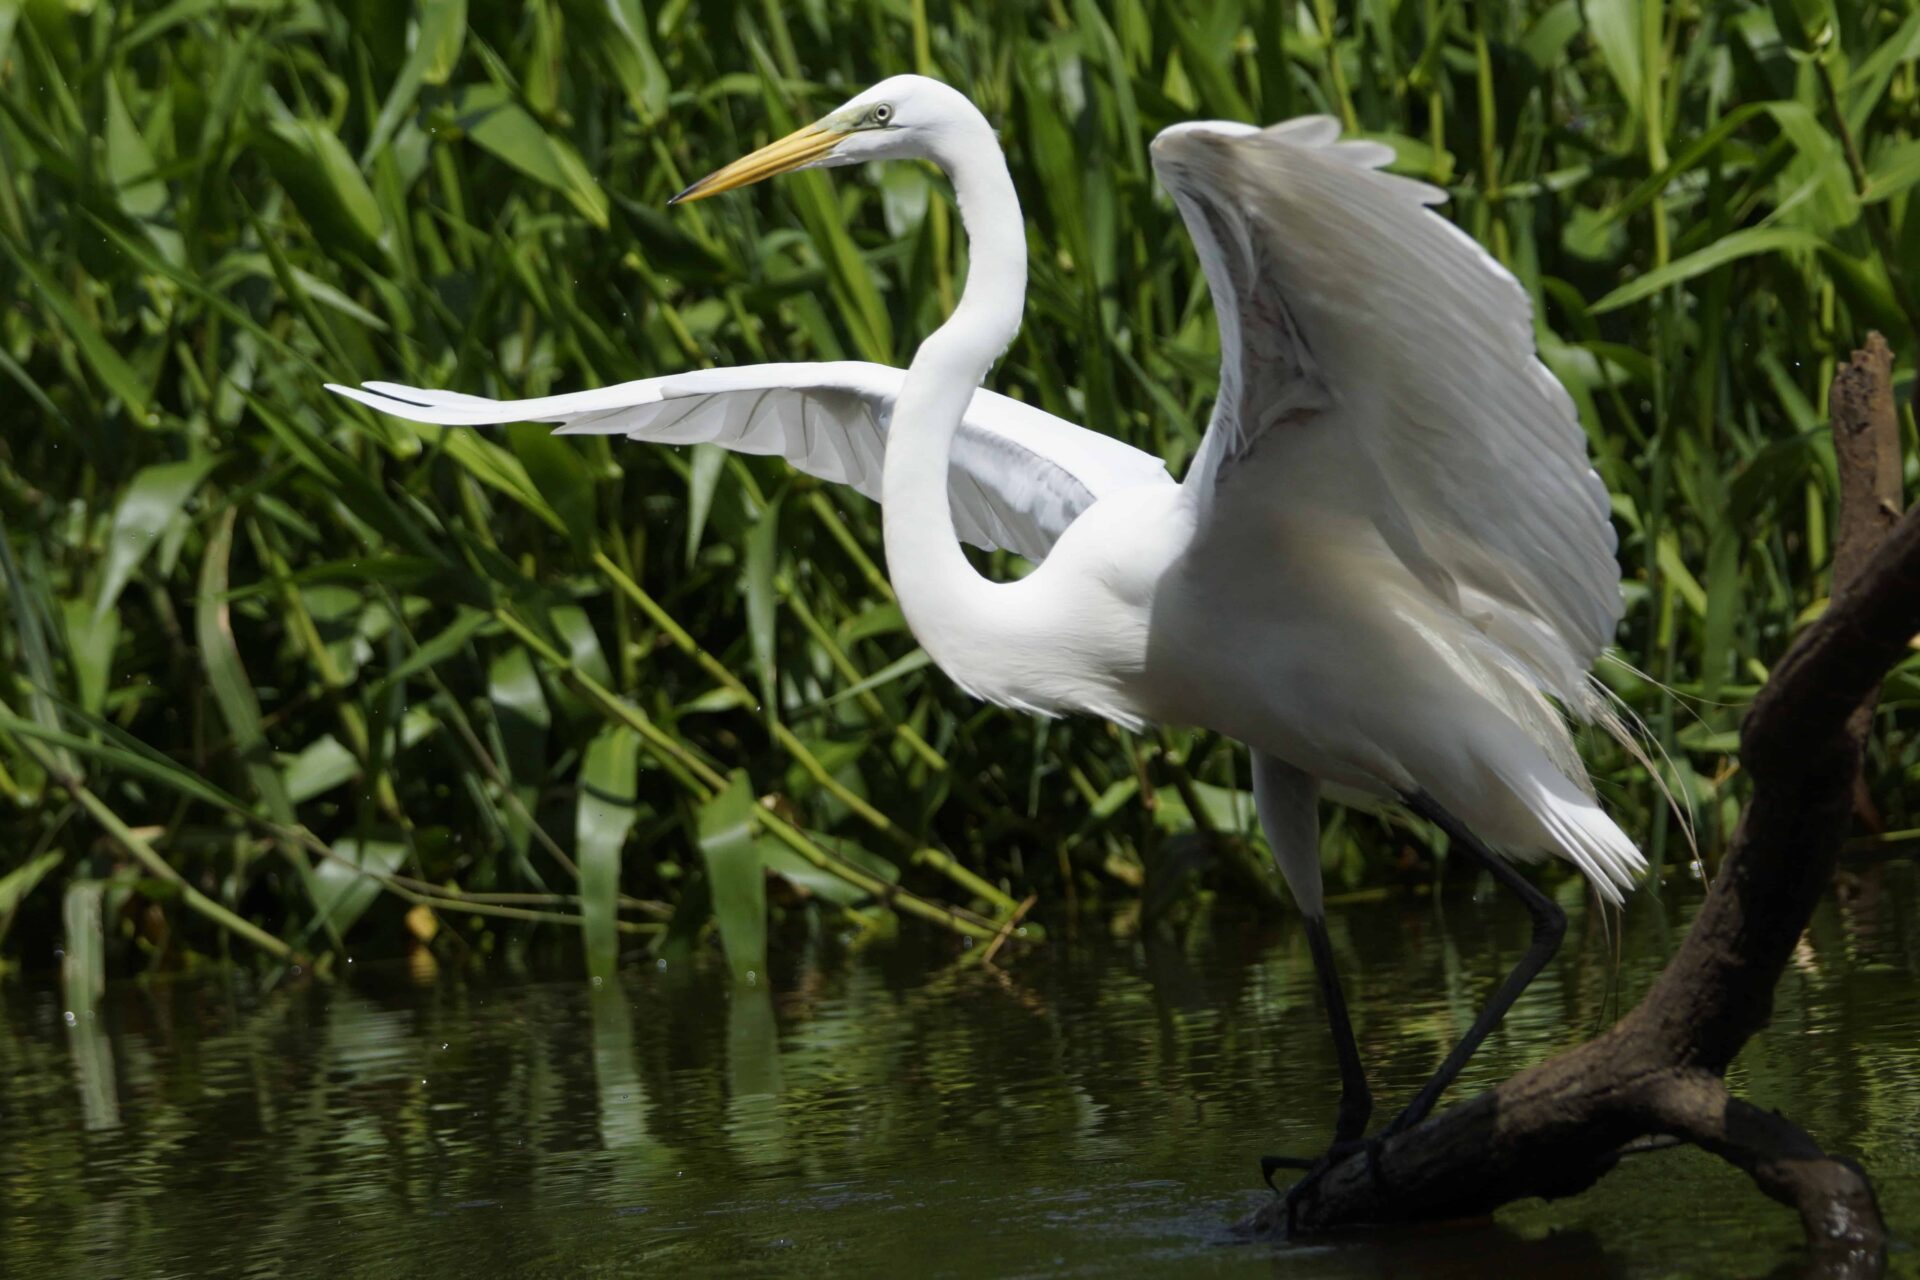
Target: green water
(1094,1108)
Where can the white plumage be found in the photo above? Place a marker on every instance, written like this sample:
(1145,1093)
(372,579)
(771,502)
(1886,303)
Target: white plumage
(1019,475)
(1378,366)
(1388,569)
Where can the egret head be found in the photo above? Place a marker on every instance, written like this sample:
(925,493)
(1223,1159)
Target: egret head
(905,117)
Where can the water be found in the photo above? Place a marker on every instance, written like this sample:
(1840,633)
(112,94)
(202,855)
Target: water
(1095,1108)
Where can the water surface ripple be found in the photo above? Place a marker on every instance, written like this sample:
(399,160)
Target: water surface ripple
(1095,1108)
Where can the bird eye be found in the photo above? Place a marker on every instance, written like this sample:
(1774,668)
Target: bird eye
(882,113)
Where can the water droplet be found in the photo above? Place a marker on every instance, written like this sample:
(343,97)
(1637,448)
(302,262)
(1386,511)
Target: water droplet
(70,1018)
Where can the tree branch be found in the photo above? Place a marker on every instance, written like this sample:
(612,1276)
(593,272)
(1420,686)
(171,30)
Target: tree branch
(1866,439)
(1835,1201)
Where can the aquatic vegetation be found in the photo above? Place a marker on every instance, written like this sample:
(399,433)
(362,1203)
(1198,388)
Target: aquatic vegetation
(283,671)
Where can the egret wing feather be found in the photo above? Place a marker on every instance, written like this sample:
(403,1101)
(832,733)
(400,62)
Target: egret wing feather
(1019,475)
(1347,306)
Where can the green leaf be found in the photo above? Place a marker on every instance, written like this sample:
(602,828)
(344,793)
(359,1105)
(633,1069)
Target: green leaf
(184,11)
(1546,40)
(763,550)
(466,625)
(19,882)
(1690,156)
(1678,576)
(150,505)
(1894,170)
(126,754)
(1732,246)
(702,478)
(1615,28)
(83,980)
(634,61)
(1723,605)
(28,602)
(882,618)
(91,637)
(582,642)
(1223,808)
(321,765)
(438,40)
(324,181)
(1804,25)
(917,660)
(83,964)
(499,469)
(520,708)
(301,282)
(605,815)
(796,870)
(557,472)
(737,877)
(1822,165)
(324,763)
(346,884)
(227,676)
(1870,76)
(129,161)
(442,35)
(106,363)
(1210,73)
(489,115)
(367,500)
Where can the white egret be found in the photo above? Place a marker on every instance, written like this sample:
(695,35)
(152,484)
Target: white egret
(1389,566)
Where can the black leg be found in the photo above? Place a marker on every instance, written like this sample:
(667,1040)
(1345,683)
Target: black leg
(1356,1102)
(1549,927)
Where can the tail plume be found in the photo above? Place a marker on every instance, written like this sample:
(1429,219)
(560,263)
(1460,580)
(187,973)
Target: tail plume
(1591,840)
(1603,707)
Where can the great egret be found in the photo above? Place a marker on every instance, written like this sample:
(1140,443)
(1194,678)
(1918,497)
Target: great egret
(1387,564)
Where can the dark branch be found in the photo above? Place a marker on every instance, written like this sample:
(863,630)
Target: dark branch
(1835,1201)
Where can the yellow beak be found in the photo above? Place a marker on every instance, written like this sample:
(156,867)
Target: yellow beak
(802,146)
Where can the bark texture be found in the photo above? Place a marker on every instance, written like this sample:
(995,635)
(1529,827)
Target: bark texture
(1557,1128)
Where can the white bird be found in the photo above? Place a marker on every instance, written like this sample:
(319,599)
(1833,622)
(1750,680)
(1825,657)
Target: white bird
(1388,569)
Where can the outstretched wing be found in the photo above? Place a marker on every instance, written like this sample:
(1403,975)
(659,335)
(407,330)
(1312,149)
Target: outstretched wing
(1019,477)
(1378,363)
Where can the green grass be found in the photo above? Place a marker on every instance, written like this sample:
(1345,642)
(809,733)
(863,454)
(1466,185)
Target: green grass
(280,675)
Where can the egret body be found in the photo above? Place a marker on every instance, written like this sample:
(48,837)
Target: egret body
(1388,568)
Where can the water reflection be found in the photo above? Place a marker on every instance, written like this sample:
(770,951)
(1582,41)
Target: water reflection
(756,1124)
(616,1070)
(1094,1108)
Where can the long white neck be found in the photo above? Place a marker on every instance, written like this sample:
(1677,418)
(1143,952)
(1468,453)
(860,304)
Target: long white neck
(941,595)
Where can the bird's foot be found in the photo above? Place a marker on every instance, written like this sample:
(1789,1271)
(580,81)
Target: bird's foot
(1314,1169)
(1410,1115)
